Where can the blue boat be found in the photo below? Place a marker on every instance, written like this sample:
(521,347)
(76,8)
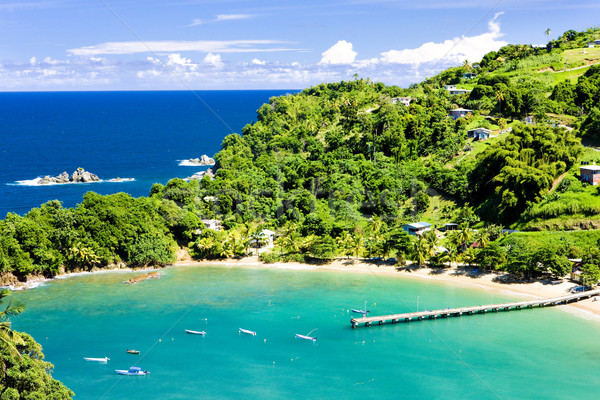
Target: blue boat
(131,371)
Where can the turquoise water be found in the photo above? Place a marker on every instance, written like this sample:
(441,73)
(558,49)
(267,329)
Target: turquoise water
(529,354)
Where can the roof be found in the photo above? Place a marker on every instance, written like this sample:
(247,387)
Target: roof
(267,232)
(590,167)
(419,225)
(480,130)
(461,109)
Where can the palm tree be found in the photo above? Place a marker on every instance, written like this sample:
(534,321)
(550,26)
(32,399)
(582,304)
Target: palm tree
(464,236)
(345,243)
(499,98)
(10,338)
(421,250)
(357,242)
(547,33)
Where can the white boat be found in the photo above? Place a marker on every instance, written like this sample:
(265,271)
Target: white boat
(247,332)
(191,332)
(311,338)
(354,310)
(131,371)
(101,360)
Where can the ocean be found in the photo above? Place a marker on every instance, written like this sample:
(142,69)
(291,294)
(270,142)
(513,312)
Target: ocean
(543,353)
(138,135)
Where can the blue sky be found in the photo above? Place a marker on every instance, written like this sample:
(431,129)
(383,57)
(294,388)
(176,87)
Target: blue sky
(260,44)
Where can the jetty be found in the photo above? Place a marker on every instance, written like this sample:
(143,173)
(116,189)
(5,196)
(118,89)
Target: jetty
(458,312)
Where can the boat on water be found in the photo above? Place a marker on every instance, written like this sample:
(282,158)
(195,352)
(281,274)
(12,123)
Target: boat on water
(305,337)
(247,332)
(357,311)
(133,351)
(191,332)
(131,371)
(100,360)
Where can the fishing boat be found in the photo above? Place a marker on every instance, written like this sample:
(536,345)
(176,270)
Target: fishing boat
(131,371)
(133,351)
(311,338)
(247,332)
(100,360)
(354,310)
(191,332)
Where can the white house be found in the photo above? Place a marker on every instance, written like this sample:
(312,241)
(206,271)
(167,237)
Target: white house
(452,89)
(212,224)
(417,228)
(269,235)
(404,100)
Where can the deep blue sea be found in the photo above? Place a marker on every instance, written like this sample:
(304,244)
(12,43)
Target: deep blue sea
(139,135)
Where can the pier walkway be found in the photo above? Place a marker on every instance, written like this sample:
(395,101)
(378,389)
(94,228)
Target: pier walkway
(457,312)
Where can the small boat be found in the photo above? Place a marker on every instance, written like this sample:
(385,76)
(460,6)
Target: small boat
(247,332)
(195,332)
(354,310)
(131,371)
(100,360)
(133,351)
(311,338)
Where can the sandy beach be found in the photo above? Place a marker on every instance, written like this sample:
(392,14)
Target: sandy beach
(495,282)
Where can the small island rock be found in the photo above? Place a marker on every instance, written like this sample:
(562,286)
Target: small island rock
(79,176)
(203,160)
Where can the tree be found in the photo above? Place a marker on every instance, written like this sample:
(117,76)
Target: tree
(23,373)
(547,33)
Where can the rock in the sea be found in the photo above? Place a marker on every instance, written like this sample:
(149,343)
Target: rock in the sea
(143,277)
(79,176)
(203,160)
(82,175)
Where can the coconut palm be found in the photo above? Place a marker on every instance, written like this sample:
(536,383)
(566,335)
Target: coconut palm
(345,243)
(547,33)
(499,98)
(421,250)
(9,337)
(464,236)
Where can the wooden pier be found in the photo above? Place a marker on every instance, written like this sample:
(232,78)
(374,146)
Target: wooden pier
(457,312)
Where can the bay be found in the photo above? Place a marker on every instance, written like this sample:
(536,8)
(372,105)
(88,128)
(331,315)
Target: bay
(139,135)
(529,354)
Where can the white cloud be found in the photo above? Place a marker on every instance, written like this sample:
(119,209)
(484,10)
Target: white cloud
(214,60)
(456,50)
(256,61)
(175,60)
(206,46)
(339,53)
(221,18)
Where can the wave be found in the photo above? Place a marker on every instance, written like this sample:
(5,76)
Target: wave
(188,163)
(36,182)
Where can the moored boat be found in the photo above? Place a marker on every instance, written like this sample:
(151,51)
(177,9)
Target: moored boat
(247,332)
(131,371)
(191,332)
(133,351)
(311,338)
(101,359)
(354,310)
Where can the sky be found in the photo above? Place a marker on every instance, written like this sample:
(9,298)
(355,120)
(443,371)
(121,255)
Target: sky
(56,45)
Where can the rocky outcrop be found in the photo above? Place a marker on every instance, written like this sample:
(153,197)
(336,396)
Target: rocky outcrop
(79,176)
(203,160)
(200,175)
(143,277)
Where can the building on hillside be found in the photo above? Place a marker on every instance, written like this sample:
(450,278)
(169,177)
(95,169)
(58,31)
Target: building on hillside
(460,112)
(597,41)
(590,174)
(212,224)
(417,228)
(591,45)
(479,133)
(529,120)
(404,100)
(469,75)
(452,89)
(449,227)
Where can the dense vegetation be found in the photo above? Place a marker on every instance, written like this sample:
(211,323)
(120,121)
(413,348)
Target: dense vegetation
(337,169)
(23,372)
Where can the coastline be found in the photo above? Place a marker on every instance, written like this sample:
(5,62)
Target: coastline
(466,277)
(492,282)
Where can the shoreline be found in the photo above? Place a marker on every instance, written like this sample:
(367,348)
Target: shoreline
(492,282)
(457,276)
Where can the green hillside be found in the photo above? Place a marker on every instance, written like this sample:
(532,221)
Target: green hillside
(339,168)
